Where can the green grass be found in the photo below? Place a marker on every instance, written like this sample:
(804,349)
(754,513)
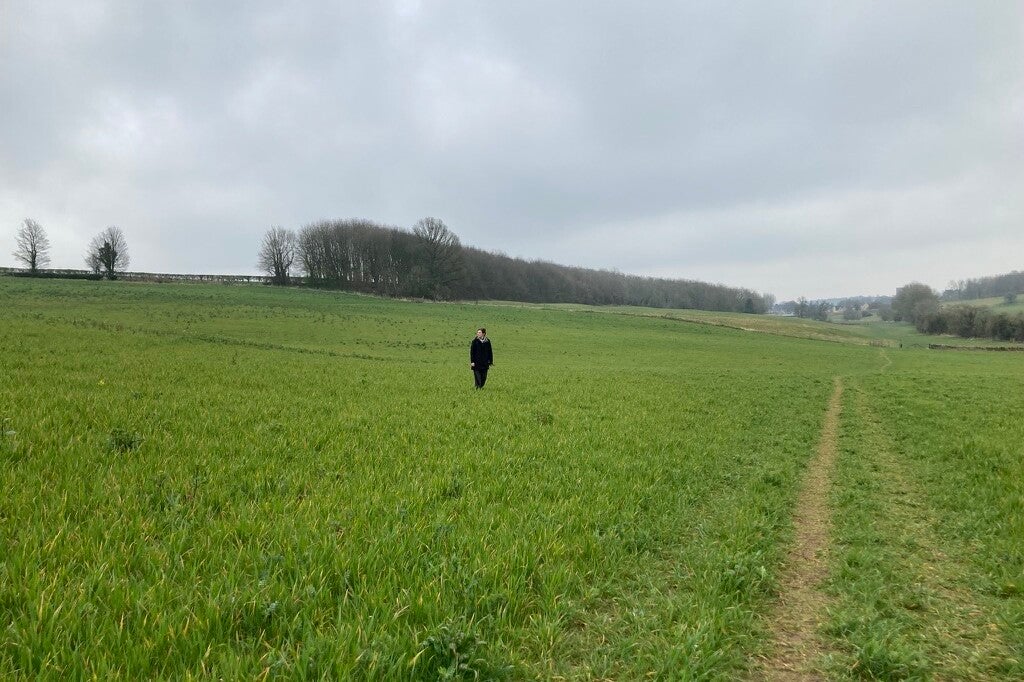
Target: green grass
(998,304)
(904,335)
(236,482)
(929,557)
(791,327)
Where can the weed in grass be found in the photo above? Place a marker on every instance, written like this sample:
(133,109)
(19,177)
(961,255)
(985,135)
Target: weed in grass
(885,657)
(544,418)
(123,440)
(452,488)
(454,651)
(745,575)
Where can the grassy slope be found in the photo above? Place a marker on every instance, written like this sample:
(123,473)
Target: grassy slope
(903,334)
(997,304)
(316,489)
(867,332)
(766,324)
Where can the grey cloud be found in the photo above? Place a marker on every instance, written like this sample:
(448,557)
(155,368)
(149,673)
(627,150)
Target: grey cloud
(542,129)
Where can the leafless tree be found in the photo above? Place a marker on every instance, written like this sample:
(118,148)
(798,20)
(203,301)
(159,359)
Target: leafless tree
(33,248)
(442,261)
(277,253)
(108,252)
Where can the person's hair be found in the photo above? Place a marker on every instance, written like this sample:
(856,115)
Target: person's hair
(481,329)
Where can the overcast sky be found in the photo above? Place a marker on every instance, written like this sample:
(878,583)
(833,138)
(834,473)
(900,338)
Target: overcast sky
(799,148)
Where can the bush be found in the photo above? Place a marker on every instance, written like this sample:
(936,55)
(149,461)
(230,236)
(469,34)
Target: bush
(972,322)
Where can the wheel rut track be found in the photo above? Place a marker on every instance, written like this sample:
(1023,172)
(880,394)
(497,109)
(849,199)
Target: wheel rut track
(801,607)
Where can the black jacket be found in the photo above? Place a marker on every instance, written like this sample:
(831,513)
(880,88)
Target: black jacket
(480,354)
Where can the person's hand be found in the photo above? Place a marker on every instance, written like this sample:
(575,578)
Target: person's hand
(472,365)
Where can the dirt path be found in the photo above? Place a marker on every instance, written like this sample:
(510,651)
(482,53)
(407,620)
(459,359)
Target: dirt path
(801,607)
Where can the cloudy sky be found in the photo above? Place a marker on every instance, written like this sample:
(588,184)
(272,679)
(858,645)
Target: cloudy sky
(800,148)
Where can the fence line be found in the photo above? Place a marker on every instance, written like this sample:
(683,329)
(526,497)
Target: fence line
(142,276)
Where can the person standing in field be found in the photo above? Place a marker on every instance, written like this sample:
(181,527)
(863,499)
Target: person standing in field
(481,357)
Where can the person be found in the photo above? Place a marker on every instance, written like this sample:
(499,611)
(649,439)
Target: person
(481,357)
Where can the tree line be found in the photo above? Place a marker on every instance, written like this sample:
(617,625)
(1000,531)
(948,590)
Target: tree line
(985,287)
(430,262)
(919,304)
(972,322)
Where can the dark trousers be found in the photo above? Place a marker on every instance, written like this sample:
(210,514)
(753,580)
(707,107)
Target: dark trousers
(480,377)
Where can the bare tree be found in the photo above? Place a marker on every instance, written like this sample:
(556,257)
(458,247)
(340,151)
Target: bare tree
(108,252)
(442,257)
(33,248)
(277,253)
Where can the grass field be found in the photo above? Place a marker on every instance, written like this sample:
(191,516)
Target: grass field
(998,304)
(247,482)
(904,335)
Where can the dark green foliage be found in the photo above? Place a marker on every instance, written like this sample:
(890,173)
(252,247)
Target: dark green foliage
(123,440)
(455,651)
(973,322)
(545,418)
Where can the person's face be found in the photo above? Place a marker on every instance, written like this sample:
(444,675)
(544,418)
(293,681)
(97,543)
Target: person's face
(479,333)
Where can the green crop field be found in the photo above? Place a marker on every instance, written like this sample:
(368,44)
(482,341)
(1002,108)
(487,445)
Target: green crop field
(237,482)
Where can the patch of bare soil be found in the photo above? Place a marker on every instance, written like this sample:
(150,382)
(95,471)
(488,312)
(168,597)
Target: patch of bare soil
(801,607)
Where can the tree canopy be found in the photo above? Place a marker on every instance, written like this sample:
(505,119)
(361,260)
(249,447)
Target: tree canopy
(431,262)
(108,252)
